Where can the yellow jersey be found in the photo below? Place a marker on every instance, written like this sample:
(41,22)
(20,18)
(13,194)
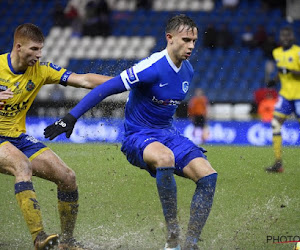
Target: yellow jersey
(25,86)
(290,59)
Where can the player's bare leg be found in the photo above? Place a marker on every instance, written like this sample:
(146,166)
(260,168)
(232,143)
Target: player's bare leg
(14,162)
(49,166)
(205,177)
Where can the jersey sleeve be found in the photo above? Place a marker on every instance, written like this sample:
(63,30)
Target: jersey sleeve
(143,73)
(56,74)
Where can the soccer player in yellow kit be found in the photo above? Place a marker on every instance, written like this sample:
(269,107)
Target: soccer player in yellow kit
(21,77)
(287,58)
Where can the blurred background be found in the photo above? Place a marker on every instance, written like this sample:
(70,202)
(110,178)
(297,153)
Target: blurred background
(232,59)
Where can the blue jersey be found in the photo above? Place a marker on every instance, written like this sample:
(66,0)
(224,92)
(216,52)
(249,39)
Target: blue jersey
(157,88)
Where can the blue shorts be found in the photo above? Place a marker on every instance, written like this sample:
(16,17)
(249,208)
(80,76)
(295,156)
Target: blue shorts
(284,107)
(183,149)
(30,146)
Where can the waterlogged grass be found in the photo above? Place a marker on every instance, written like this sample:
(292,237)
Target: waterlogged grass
(120,209)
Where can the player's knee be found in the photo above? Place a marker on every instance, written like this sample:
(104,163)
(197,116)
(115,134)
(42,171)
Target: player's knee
(165,159)
(276,126)
(23,171)
(69,180)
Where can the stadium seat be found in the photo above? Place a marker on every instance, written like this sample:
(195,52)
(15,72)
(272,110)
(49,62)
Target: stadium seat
(44,93)
(221,111)
(241,111)
(137,33)
(98,41)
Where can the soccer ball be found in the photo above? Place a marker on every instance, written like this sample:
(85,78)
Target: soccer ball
(297,246)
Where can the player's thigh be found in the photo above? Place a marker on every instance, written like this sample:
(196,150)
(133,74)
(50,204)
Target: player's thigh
(158,155)
(48,165)
(198,168)
(13,161)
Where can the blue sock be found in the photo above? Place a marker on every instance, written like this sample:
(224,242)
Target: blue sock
(200,207)
(167,191)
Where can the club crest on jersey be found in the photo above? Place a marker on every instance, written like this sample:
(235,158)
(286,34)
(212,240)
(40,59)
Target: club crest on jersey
(54,66)
(290,59)
(185,86)
(132,77)
(30,86)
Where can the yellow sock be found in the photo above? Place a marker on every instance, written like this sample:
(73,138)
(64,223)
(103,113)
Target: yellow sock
(277,146)
(68,210)
(29,206)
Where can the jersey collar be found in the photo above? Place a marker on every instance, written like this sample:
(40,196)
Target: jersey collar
(174,67)
(288,48)
(11,67)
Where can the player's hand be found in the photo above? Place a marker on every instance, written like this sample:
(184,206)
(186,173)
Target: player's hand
(271,83)
(6,94)
(283,70)
(64,125)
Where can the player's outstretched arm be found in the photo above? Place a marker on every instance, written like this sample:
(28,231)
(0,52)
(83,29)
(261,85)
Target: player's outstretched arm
(6,94)
(66,124)
(88,81)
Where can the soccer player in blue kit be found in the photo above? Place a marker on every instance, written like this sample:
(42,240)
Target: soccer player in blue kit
(157,85)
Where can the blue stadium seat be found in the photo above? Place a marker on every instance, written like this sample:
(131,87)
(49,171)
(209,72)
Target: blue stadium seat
(237,70)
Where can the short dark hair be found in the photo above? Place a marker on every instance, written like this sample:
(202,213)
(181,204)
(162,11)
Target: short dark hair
(175,22)
(29,31)
(287,28)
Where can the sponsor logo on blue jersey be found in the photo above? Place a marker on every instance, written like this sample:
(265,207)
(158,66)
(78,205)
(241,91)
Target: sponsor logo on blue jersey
(132,77)
(170,102)
(185,86)
(54,66)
